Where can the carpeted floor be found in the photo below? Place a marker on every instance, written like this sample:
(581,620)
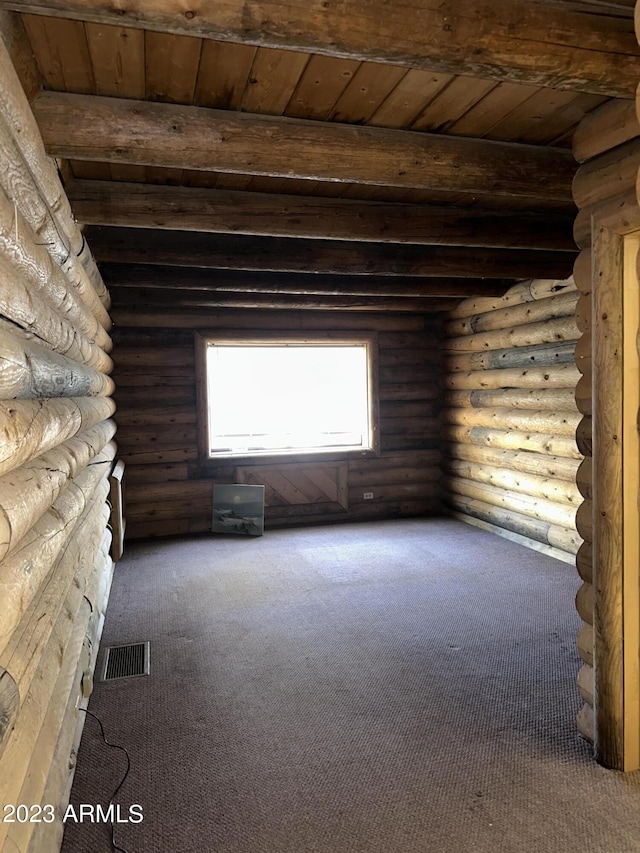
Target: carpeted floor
(374,688)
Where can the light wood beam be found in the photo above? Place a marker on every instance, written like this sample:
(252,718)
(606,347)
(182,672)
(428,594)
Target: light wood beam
(513,40)
(232,212)
(239,281)
(116,130)
(281,254)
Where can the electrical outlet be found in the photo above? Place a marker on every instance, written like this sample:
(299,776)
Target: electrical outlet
(367,496)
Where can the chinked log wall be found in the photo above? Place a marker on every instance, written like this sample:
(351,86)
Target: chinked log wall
(510,420)
(57,450)
(169,492)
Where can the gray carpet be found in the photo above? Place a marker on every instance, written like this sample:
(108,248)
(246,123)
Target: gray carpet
(381,688)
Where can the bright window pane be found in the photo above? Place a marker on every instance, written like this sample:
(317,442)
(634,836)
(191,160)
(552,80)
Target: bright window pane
(294,397)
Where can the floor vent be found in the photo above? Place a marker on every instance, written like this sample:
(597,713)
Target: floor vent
(125,661)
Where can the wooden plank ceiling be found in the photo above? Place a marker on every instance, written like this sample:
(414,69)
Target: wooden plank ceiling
(321,157)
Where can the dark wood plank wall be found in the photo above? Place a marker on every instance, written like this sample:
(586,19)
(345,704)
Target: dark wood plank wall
(169,492)
(510,420)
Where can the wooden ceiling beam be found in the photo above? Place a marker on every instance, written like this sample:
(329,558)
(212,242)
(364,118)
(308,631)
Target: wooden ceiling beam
(233,281)
(263,214)
(116,130)
(281,254)
(516,40)
(147,298)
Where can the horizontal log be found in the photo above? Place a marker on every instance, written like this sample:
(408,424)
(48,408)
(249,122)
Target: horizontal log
(584,520)
(428,390)
(425,426)
(531,334)
(157,473)
(153,379)
(231,212)
(582,355)
(160,455)
(154,396)
(526,313)
(409,408)
(234,281)
(167,414)
(520,42)
(140,357)
(29,491)
(585,603)
(161,435)
(583,313)
(38,184)
(584,562)
(534,507)
(9,705)
(116,130)
(584,478)
(410,460)
(125,298)
(28,311)
(620,212)
(328,257)
(535,486)
(561,376)
(511,439)
(31,427)
(584,436)
(585,644)
(381,476)
(525,291)
(74,299)
(532,528)
(398,372)
(541,355)
(611,174)
(401,331)
(525,541)
(408,356)
(582,271)
(409,442)
(527,462)
(585,720)
(265,321)
(584,400)
(585,682)
(612,124)
(547,399)
(561,424)
(28,370)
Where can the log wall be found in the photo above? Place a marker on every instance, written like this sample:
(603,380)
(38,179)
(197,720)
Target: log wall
(168,491)
(55,458)
(606,230)
(510,417)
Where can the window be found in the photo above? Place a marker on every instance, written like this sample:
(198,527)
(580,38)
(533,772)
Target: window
(265,397)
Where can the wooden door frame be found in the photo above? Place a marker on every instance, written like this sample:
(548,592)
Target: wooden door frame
(616,481)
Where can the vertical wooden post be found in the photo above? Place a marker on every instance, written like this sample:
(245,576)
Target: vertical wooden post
(615,505)
(631,498)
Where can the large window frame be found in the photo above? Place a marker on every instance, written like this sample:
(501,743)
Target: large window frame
(203,339)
